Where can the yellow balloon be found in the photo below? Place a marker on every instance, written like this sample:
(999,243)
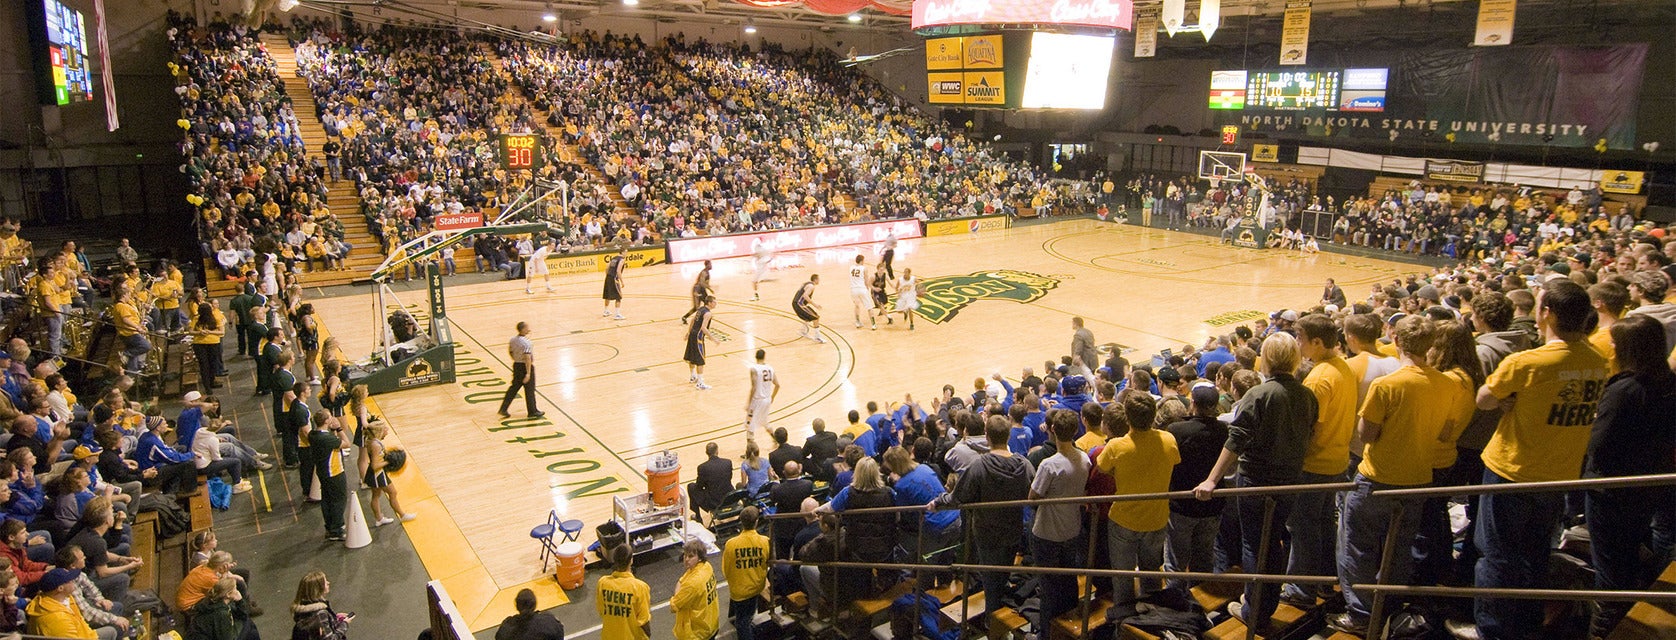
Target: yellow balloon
(184,124)
(195,199)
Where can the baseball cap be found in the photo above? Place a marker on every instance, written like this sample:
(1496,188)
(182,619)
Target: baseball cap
(1169,375)
(1560,268)
(1427,292)
(81,452)
(1072,385)
(1206,394)
(192,396)
(1332,308)
(56,578)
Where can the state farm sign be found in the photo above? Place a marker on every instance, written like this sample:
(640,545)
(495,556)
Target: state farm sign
(744,244)
(454,221)
(1109,14)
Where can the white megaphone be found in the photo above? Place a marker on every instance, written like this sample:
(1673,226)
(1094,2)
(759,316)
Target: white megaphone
(355,530)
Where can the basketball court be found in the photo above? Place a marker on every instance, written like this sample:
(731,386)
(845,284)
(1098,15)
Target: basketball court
(616,392)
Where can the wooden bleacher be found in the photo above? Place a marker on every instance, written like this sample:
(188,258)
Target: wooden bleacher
(1649,621)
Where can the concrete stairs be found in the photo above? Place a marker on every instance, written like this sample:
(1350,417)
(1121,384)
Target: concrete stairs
(342,198)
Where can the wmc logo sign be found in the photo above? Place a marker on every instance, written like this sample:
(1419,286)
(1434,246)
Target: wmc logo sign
(944,297)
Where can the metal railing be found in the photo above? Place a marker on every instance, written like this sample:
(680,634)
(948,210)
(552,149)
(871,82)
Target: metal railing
(1379,589)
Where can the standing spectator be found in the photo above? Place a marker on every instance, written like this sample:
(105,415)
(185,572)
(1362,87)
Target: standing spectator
(529,624)
(1405,413)
(788,498)
(1269,436)
(996,476)
(1649,288)
(869,537)
(1314,538)
(1549,395)
(1632,436)
(745,565)
(220,615)
(1057,528)
(694,602)
(522,354)
(1139,462)
(917,484)
(715,480)
(1190,544)
(312,615)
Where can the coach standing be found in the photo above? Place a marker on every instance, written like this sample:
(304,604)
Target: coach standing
(523,372)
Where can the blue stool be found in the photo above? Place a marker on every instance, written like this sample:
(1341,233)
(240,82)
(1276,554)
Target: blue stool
(543,533)
(571,529)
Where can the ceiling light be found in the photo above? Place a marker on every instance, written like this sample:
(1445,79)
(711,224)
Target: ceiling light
(750,29)
(548,17)
(631,3)
(855,17)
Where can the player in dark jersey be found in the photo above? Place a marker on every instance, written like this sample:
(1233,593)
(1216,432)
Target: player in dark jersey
(701,289)
(614,283)
(879,287)
(697,334)
(807,310)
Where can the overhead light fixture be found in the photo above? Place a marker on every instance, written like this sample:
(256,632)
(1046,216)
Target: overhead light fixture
(855,17)
(549,17)
(750,29)
(631,3)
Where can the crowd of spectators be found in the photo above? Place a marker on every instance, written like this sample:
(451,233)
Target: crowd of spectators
(253,187)
(1549,366)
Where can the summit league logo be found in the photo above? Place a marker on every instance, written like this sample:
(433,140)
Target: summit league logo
(945,296)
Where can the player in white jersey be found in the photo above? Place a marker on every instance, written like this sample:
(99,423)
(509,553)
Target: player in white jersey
(863,301)
(763,257)
(765,386)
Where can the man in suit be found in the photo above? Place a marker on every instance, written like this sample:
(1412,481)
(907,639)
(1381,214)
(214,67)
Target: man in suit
(783,452)
(1332,295)
(788,498)
(715,480)
(819,450)
(1082,344)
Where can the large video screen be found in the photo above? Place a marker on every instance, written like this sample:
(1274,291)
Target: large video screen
(66,54)
(1067,71)
(1292,90)
(1364,90)
(1227,89)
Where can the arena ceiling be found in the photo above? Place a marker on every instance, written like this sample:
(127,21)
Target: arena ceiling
(880,15)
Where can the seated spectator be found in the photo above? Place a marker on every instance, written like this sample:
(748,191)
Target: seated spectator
(14,541)
(112,572)
(753,469)
(202,578)
(715,481)
(175,470)
(11,612)
(53,611)
(102,614)
(221,615)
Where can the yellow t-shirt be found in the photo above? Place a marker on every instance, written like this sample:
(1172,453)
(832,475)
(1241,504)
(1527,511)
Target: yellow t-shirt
(694,603)
(1601,340)
(127,318)
(1090,440)
(1543,437)
(1334,385)
(853,431)
(1389,350)
(1140,462)
(745,565)
(1412,406)
(220,321)
(167,294)
(623,603)
(1444,452)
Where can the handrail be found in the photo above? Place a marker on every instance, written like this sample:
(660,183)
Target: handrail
(1378,591)
(1232,492)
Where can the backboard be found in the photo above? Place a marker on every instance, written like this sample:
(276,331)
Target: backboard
(1221,165)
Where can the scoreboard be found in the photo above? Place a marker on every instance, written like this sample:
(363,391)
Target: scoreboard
(1292,90)
(520,151)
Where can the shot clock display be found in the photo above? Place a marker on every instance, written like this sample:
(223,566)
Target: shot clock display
(520,151)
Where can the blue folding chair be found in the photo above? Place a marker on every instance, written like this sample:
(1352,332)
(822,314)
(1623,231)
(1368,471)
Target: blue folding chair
(544,534)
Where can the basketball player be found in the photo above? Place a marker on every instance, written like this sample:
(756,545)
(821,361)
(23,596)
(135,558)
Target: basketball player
(764,256)
(907,296)
(889,254)
(697,334)
(538,266)
(807,310)
(859,297)
(701,290)
(614,283)
(765,386)
(879,288)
